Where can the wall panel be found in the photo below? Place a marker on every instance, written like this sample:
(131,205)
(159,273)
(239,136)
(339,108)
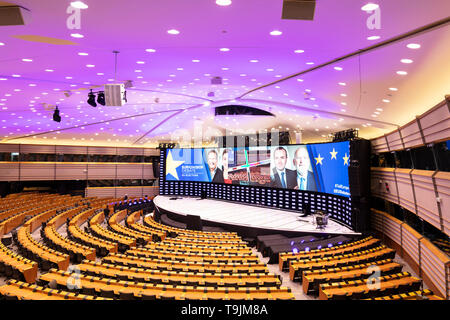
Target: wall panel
(394,141)
(427,207)
(70,171)
(436,124)
(442,180)
(101,171)
(9,171)
(411,135)
(405,189)
(30,171)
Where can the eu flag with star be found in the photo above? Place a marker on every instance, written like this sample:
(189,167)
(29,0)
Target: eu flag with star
(330,163)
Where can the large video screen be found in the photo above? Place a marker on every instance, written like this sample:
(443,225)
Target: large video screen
(313,167)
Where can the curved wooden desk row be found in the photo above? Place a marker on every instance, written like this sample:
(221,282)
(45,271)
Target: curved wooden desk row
(114,223)
(181,278)
(100,232)
(311,282)
(149,222)
(400,283)
(286,257)
(195,249)
(29,244)
(297,268)
(119,259)
(181,256)
(158,291)
(415,295)
(26,267)
(26,291)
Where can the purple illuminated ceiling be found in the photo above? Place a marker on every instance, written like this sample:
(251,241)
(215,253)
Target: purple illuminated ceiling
(170,99)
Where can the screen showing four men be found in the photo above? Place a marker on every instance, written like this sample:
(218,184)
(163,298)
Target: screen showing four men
(314,167)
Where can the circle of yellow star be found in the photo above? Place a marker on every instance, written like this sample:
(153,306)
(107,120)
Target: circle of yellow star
(319,160)
(172,165)
(333,154)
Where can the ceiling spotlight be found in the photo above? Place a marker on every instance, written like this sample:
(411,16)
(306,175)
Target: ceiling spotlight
(173,31)
(101,98)
(276,33)
(91,99)
(56,116)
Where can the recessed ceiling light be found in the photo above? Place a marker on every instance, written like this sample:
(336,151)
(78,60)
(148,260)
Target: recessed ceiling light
(342,84)
(2,44)
(195,60)
(386,100)
(402,73)
(68,78)
(299,51)
(370,7)
(393,89)
(79,5)
(300,80)
(150,50)
(406,61)
(77,35)
(173,31)
(343,110)
(379,109)
(310,63)
(338,68)
(90,65)
(276,33)
(254,61)
(371,38)
(49,70)
(223,2)
(376,112)
(140,62)
(269,70)
(343,95)
(413,46)
(83,54)
(224,49)
(100,74)
(27,60)
(3,79)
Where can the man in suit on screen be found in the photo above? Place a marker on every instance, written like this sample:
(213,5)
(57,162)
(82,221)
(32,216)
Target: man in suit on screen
(215,172)
(305,178)
(281,176)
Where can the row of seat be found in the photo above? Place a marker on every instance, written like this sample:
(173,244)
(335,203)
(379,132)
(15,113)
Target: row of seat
(124,242)
(17,267)
(296,268)
(125,260)
(113,288)
(141,237)
(412,295)
(18,290)
(286,257)
(188,256)
(210,250)
(103,247)
(370,288)
(313,279)
(45,256)
(179,278)
(150,222)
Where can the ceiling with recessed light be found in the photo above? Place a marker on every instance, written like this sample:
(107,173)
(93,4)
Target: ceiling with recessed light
(171,50)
